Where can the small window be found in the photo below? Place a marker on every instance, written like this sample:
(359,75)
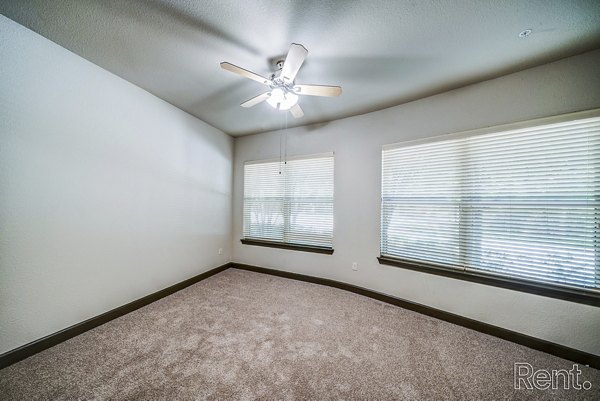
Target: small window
(520,203)
(290,202)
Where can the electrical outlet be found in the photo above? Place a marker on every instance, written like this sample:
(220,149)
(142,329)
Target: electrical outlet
(355,266)
(220,251)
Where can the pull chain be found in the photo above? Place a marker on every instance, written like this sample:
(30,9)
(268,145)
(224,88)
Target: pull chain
(280,141)
(285,144)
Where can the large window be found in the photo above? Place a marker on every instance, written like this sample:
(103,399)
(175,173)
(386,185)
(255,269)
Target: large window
(290,202)
(521,203)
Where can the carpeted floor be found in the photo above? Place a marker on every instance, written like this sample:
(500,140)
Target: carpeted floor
(243,335)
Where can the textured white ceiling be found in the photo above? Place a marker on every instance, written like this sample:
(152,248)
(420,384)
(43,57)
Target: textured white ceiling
(382,53)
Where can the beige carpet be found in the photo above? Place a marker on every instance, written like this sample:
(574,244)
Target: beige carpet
(243,335)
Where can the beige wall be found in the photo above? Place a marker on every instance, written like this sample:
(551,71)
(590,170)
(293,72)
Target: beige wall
(568,85)
(107,193)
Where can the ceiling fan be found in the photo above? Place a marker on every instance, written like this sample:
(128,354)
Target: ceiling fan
(283,92)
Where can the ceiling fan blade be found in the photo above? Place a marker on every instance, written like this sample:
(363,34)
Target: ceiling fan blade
(245,73)
(256,100)
(293,61)
(296,111)
(318,90)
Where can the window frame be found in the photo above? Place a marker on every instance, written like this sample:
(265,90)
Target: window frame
(282,244)
(564,292)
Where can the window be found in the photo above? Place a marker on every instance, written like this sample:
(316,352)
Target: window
(521,203)
(290,203)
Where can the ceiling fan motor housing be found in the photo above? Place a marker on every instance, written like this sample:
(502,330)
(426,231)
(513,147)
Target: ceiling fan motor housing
(279,82)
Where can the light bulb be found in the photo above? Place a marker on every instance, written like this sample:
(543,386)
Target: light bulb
(281,99)
(276,97)
(289,101)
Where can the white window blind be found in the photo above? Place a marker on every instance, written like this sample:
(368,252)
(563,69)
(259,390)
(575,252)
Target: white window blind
(290,202)
(521,203)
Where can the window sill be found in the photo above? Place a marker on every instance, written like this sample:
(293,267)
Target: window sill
(292,247)
(548,290)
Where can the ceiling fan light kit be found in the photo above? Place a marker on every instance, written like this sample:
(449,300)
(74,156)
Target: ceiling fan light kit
(283,93)
(281,99)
